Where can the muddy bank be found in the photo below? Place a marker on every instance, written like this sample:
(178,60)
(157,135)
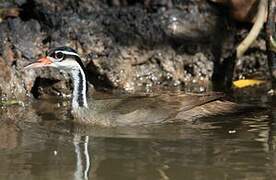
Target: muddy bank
(132,47)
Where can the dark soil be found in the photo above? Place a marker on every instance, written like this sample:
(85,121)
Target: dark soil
(129,45)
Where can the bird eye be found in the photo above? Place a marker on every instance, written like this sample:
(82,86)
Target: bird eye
(59,56)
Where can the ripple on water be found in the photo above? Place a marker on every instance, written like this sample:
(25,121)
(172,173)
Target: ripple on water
(41,142)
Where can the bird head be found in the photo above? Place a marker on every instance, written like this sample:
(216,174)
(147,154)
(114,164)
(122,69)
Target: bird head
(63,58)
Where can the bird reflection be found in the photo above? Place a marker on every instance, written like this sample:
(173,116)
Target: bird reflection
(82,156)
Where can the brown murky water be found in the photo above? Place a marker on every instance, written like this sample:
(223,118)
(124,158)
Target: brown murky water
(39,142)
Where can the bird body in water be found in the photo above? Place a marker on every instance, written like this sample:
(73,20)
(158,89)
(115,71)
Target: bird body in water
(132,111)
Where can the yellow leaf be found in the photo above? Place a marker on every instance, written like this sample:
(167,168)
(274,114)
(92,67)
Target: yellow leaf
(247,82)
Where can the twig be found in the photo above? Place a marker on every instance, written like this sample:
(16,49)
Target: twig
(270,41)
(254,32)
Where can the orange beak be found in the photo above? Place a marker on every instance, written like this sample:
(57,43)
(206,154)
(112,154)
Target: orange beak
(42,62)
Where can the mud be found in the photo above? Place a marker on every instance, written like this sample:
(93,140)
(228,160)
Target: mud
(138,46)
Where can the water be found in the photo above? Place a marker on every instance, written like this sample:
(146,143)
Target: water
(39,142)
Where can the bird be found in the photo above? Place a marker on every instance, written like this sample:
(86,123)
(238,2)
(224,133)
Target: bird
(131,111)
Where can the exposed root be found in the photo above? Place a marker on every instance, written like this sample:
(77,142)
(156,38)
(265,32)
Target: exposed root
(273,44)
(254,32)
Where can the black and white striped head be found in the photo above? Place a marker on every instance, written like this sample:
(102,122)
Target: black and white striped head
(64,58)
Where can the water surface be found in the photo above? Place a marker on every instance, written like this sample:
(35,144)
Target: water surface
(39,141)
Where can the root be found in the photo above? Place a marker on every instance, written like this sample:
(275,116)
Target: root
(255,30)
(273,44)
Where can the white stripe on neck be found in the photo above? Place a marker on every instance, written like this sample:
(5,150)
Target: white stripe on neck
(79,81)
(68,53)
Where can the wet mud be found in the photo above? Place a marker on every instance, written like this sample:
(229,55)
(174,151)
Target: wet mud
(133,46)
